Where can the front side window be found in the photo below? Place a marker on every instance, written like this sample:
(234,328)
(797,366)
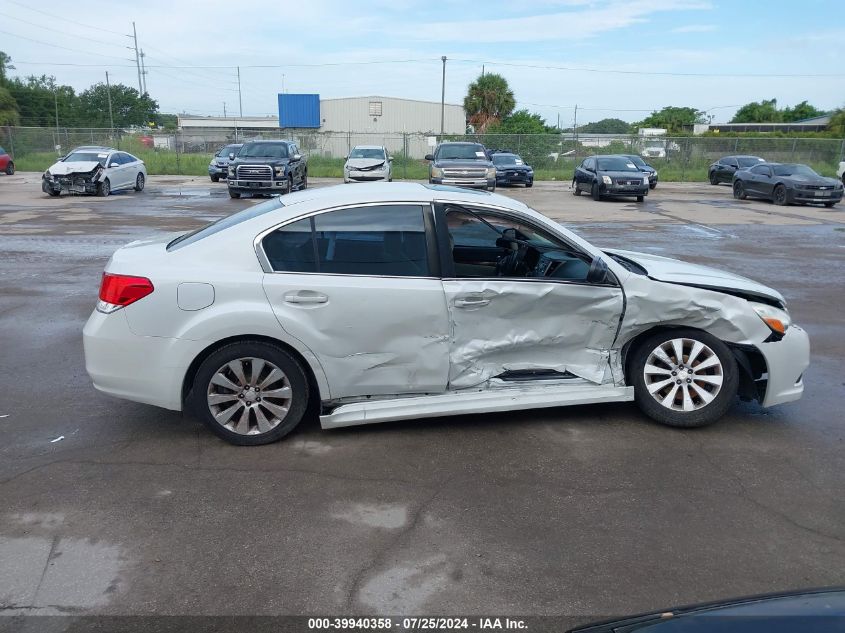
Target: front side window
(748,161)
(384,240)
(762,170)
(732,162)
(489,245)
(792,169)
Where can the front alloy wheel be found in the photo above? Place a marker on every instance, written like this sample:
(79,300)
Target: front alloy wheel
(250,393)
(140,181)
(739,190)
(684,378)
(104,189)
(779,195)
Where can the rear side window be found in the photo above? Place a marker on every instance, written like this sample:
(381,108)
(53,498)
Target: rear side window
(386,240)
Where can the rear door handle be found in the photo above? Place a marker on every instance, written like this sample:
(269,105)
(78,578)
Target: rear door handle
(471,302)
(301,298)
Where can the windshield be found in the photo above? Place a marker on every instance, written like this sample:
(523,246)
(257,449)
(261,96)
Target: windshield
(264,150)
(507,159)
(367,152)
(616,163)
(464,152)
(792,169)
(749,161)
(229,149)
(87,157)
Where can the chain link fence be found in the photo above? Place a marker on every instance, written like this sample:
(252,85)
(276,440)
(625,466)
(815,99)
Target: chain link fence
(553,156)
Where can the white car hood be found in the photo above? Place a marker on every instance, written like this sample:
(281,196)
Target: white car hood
(676,271)
(75,167)
(364,163)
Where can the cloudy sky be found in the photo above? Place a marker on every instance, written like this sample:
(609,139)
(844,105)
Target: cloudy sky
(554,53)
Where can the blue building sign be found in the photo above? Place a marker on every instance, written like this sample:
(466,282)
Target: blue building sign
(301,110)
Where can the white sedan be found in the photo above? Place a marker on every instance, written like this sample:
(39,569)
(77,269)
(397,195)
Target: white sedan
(368,163)
(397,301)
(94,170)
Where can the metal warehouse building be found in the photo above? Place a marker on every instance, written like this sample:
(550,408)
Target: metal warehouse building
(331,127)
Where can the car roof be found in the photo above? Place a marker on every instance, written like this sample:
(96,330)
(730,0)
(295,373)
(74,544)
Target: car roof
(460,143)
(368,147)
(102,148)
(264,141)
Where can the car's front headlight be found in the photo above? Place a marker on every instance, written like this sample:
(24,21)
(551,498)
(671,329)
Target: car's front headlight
(436,172)
(491,172)
(607,180)
(777,320)
(231,171)
(280,170)
(48,175)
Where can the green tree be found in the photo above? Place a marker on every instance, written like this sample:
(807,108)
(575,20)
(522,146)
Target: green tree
(8,108)
(800,112)
(606,126)
(520,122)
(673,119)
(489,100)
(129,107)
(5,66)
(759,112)
(837,123)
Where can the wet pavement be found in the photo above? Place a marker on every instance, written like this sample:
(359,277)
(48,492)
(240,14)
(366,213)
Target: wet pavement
(120,508)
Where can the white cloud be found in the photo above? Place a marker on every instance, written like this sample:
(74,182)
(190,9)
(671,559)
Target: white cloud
(695,28)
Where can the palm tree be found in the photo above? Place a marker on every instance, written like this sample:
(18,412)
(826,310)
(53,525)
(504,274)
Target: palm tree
(488,101)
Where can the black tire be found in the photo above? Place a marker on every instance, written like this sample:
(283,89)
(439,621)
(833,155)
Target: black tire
(779,196)
(576,191)
(843,178)
(739,190)
(234,194)
(713,179)
(104,188)
(140,181)
(215,178)
(708,413)
(640,198)
(594,192)
(10,169)
(290,185)
(491,189)
(49,191)
(829,205)
(529,184)
(652,186)
(294,375)
(304,184)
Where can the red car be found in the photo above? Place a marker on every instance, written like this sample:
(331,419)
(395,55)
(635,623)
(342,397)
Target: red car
(6,163)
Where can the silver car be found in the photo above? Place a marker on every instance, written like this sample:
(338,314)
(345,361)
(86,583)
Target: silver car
(219,166)
(367,163)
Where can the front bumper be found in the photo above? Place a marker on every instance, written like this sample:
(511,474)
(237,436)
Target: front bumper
(148,369)
(814,196)
(258,185)
(623,191)
(514,177)
(216,170)
(366,176)
(473,183)
(786,361)
(77,184)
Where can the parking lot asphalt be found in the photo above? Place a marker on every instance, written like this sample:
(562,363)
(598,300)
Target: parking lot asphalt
(114,507)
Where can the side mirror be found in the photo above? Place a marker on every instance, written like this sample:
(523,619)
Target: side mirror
(112,165)
(297,157)
(598,271)
(390,159)
(429,157)
(231,155)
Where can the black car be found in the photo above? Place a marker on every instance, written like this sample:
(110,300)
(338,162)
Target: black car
(462,165)
(723,169)
(644,167)
(511,169)
(267,167)
(786,183)
(610,177)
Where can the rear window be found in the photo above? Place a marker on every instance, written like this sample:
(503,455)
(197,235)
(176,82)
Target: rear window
(224,223)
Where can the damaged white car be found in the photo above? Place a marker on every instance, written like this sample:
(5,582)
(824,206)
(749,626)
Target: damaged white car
(94,170)
(368,163)
(399,301)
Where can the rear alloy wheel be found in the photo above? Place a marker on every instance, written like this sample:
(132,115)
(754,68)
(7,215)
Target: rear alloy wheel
(250,393)
(10,169)
(779,196)
(713,179)
(140,181)
(234,194)
(104,188)
(594,191)
(739,190)
(684,378)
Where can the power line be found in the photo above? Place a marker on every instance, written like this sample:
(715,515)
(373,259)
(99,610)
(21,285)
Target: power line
(67,48)
(649,72)
(82,37)
(64,18)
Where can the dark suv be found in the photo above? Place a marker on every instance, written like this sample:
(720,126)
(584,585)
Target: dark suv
(267,167)
(462,165)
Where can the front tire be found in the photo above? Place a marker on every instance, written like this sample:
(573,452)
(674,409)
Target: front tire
(713,179)
(640,198)
(653,186)
(104,188)
(304,184)
(49,190)
(683,378)
(829,205)
(529,184)
(234,194)
(10,169)
(594,192)
(215,178)
(250,393)
(739,191)
(779,196)
(140,181)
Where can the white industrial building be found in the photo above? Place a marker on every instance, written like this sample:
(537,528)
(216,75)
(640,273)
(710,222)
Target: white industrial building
(401,125)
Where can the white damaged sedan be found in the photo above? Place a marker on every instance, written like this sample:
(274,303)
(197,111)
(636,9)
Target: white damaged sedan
(399,301)
(94,170)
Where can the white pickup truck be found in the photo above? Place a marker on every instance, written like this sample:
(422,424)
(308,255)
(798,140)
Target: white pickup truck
(841,172)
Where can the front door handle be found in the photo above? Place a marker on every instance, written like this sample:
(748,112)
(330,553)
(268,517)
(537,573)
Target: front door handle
(301,298)
(471,302)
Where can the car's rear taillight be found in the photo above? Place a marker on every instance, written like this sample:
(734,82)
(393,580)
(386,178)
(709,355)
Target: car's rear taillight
(118,291)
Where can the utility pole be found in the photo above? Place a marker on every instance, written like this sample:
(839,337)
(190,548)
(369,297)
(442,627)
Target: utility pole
(283,83)
(143,72)
(482,70)
(240,100)
(224,109)
(443,101)
(56,101)
(137,58)
(108,92)
(575,124)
